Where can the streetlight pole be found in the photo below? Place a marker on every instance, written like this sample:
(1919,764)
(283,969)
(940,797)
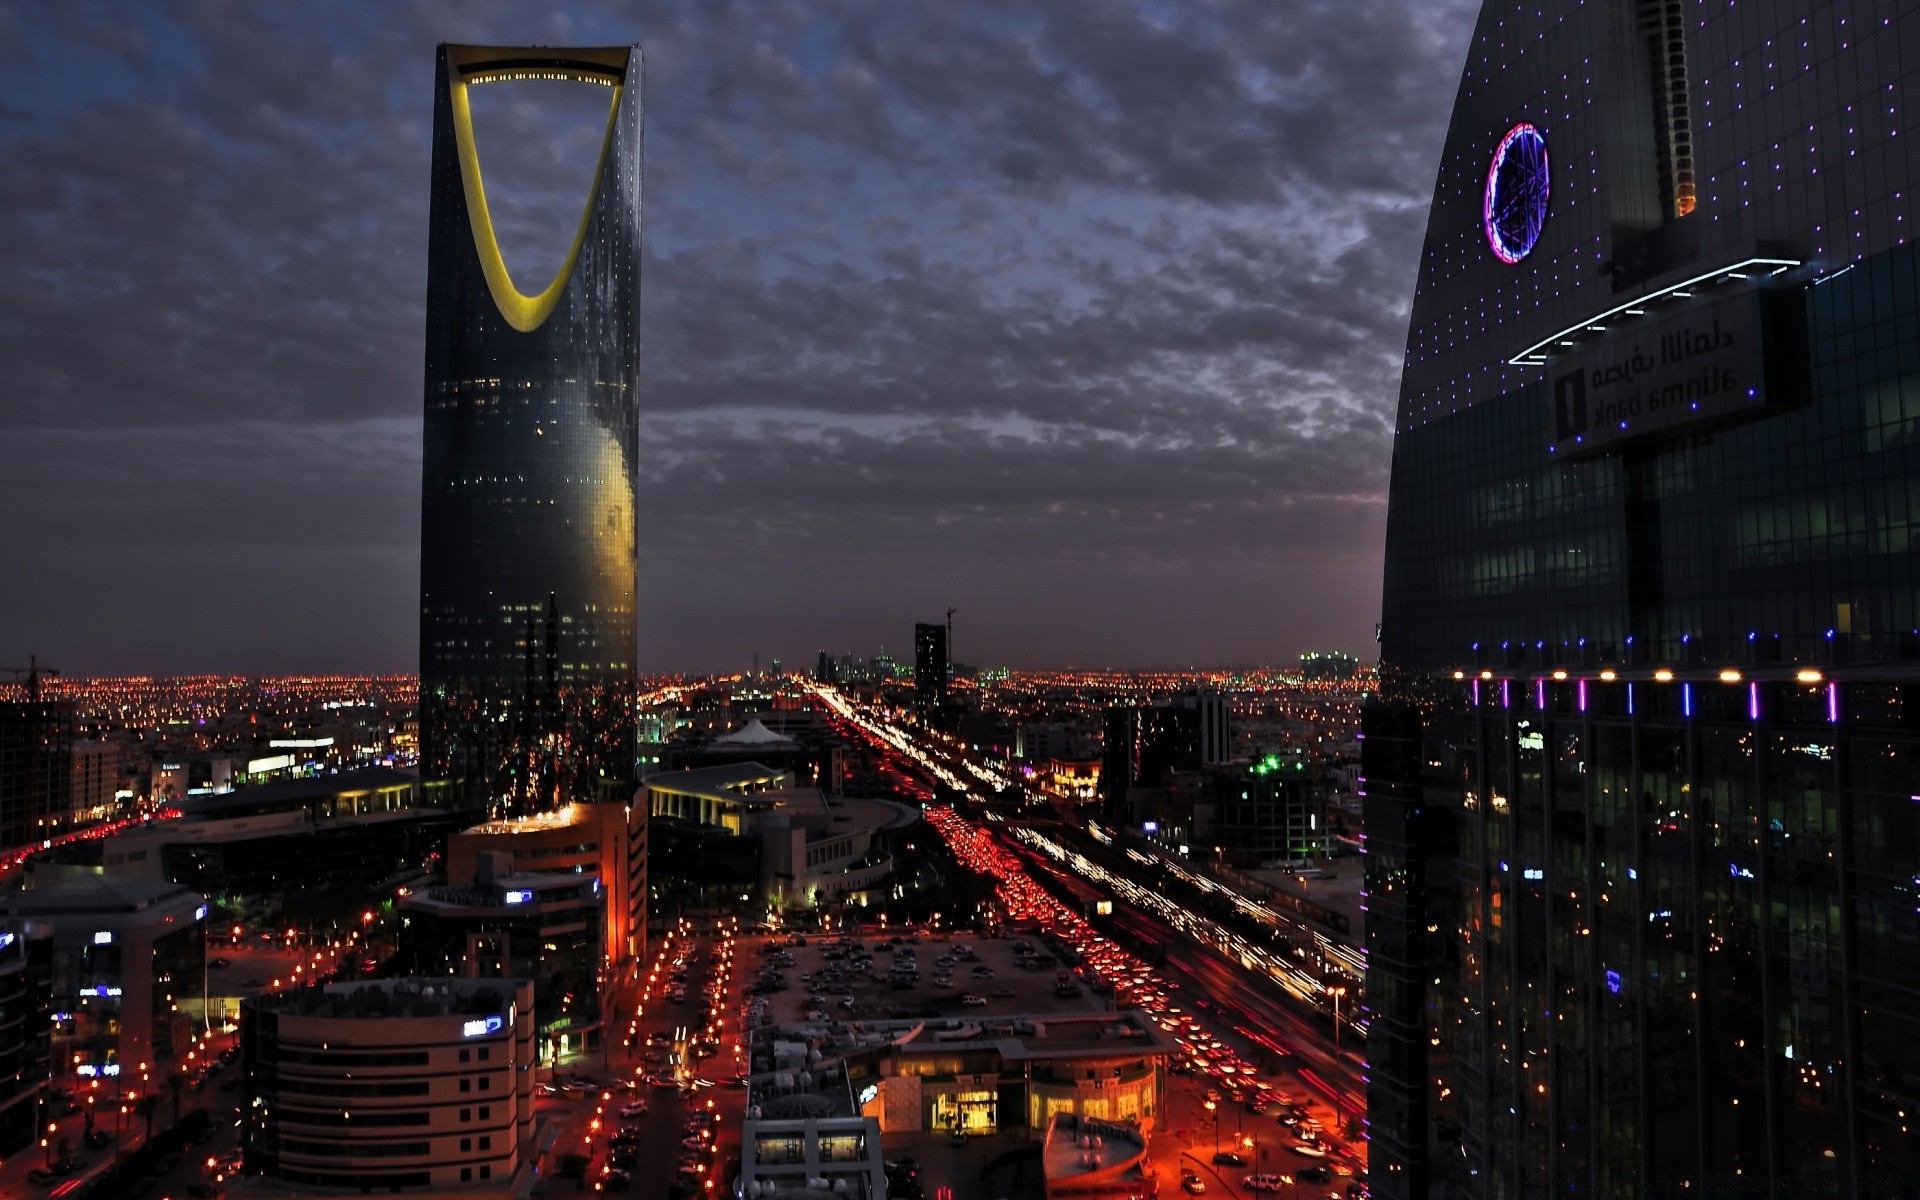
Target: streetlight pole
(1336,993)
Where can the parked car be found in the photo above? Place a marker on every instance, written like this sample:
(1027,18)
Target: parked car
(1262,1183)
(1227,1158)
(1192,1184)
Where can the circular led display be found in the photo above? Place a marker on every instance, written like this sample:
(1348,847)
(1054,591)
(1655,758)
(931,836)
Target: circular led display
(1514,208)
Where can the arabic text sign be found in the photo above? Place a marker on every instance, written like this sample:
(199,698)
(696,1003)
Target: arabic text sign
(1697,366)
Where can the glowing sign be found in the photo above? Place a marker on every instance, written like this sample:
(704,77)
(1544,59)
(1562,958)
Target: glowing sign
(867,1094)
(519,897)
(1513,209)
(1151,827)
(102,938)
(6,939)
(482,1027)
(200,914)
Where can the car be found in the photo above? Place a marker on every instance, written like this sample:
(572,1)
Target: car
(1192,1184)
(1315,1173)
(1262,1183)
(1227,1158)
(971,1000)
(1307,1150)
(959,1138)
(637,1109)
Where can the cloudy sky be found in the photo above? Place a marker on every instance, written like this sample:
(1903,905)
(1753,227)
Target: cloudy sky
(1082,317)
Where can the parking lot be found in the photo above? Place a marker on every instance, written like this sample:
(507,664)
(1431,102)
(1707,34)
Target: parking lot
(895,975)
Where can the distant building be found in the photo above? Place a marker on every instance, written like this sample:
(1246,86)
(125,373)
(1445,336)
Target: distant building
(36,768)
(1270,811)
(930,673)
(1142,745)
(402,1085)
(1319,666)
(129,972)
(93,781)
(791,845)
(1210,714)
(528,539)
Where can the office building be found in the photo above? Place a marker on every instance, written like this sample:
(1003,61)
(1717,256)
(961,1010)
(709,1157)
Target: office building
(398,1085)
(527,538)
(605,841)
(1640,828)
(1142,746)
(129,973)
(930,673)
(1324,666)
(1209,709)
(293,846)
(543,927)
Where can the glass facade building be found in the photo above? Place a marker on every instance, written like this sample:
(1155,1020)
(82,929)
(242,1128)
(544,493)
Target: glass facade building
(527,618)
(1643,781)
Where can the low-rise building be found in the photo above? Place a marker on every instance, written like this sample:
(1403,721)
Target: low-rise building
(392,1085)
(809,846)
(978,1076)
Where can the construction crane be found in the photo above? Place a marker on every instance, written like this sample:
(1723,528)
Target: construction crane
(950,613)
(34,672)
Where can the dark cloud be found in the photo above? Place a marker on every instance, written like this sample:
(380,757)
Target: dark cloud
(1084,318)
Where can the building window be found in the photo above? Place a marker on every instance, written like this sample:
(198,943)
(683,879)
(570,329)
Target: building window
(465,1055)
(466,1174)
(466,1114)
(485,1053)
(466,1085)
(486,1110)
(466,1144)
(486,1141)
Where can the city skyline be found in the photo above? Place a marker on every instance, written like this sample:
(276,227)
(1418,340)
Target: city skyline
(955,310)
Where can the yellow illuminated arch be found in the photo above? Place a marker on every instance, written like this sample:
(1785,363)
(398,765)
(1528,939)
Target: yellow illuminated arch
(524,313)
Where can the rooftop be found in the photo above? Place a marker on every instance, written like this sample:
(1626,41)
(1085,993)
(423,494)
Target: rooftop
(98,894)
(376,999)
(296,793)
(1077,1146)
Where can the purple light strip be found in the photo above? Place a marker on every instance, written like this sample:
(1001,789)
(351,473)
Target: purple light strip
(1476,692)
(1506,694)
(1833,703)
(1686,700)
(1753,702)
(1583,695)
(1540,694)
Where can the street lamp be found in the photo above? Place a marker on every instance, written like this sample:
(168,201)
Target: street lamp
(1336,993)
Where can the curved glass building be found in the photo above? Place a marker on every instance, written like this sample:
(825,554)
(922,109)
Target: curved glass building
(527,620)
(1643,788)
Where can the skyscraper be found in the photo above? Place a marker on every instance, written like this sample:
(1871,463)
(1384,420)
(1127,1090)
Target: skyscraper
(527,618)
(930,672)
(1642,843)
